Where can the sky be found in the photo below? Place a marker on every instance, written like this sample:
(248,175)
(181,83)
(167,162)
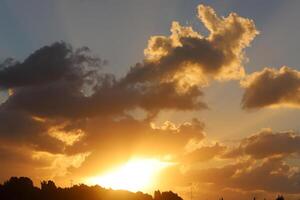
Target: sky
(210,89)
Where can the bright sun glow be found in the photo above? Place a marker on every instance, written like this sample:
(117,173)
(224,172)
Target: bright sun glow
(135,175)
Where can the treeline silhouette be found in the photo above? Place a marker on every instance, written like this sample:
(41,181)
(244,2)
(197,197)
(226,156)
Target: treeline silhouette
(22,188)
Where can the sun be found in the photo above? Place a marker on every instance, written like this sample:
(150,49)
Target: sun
(135,175)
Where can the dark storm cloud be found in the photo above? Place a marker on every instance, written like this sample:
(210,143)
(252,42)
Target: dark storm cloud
(272,87)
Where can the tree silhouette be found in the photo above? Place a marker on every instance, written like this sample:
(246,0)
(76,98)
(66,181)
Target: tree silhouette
(23,189)
(166,196)
(280,197)
(18,188)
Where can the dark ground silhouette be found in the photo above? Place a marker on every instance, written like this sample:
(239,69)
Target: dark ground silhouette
(22,188)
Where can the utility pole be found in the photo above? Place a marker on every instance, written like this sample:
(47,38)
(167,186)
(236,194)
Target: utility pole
(191,191)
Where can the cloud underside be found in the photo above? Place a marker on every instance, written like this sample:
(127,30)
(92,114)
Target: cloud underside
(64,116)
(272,88)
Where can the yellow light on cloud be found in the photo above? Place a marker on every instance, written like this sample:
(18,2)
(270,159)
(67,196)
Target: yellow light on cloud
(135,175)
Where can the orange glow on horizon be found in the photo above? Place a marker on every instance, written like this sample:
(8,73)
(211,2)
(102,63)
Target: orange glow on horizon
(135,175)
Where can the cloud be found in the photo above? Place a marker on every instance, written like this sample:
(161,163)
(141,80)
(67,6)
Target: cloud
(219,55)
(87,92)
(270,175)
(58,164)
(17,128)
(268,143)
(230,34)
(47,64)
(271,88)
(119,140)
(59,70)
(273,175)
(52,71)
(16,160)
(45,114)
(23,161)
(203,153)
(73,117)
(265,163)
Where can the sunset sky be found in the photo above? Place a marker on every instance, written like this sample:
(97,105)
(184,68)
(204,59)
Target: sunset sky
(174,95)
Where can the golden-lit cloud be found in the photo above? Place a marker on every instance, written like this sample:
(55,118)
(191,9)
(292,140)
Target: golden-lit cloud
(220,55)
(36,164)
(230,34)
(69,138)
(58,164)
